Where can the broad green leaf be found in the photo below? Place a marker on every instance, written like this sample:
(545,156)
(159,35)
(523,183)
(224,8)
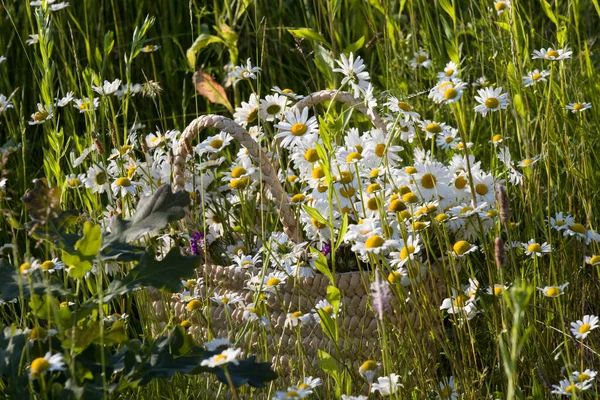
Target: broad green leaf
(328,364)
(314,213)
(249,372)
(445,4)
(597,6)
(89,245)
(452,52)
(342,232)
(153,213)
(354,47)
(307,33)
(324,63)
(114,336)
(201,42)
(548,10)
(334,297)
(518,104)
(321,265)
(43,306)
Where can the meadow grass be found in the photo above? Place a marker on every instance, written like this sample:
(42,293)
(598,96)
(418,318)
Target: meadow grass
(536,159)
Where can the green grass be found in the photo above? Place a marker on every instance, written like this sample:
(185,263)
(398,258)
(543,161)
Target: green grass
(517,347)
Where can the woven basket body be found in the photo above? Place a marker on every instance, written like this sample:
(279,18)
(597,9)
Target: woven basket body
(358,325)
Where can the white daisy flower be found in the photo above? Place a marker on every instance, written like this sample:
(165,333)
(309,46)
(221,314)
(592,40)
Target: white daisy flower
(42,115)
(62,102)
(214,144)
(123,186)
(86,105)
(52,265)
(490,99)
(501,6)
(2,59)
(310,383)
(298,318)
(447,91)
(578,107)
(374,244)
(75,180)
(150,48)
(497,289)
(386,385)
(534,77)
(227,299)
(292,393)
(5,103)
(295,127)
(248,112)
(587,375)
(462,248)
(480,82)
(450,72)
(421,59)
(526,162)
(96,179)
(593,260)
(243,72)
(227,356)
(403,108)
(354,71)
(289,93)
(50,362)
(107,88)
(409,250)
(583,327)
(217,344)
(34,38)
(447,390)
(272,107)
(534,249)
(325,307)
(369,370)
(552,54)
(553,291)
(568,388)
(561,222)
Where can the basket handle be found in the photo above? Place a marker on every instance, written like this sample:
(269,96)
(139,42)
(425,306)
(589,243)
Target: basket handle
(343,97)
(286,215)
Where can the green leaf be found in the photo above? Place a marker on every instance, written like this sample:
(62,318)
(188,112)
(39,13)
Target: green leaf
(518,104)
(248,372)
(342,232)
(445,4)
(114,336)
(86,250)
(548,10)
(334,297)
(321,264)
(307,33)
(354,47)
(43,306)
(324,63)
(165,274)
(328,364)
(314,213)
(153,213)
(201,42)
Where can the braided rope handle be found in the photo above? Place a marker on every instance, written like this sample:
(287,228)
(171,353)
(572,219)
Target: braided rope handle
(286,215)
(343,97)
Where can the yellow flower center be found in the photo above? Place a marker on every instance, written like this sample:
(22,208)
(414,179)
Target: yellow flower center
(595,260)
(347,193)
(273,109)
(225,300)
(273,282)
(194,305)
(406,252)
(303,386)
(39,365)
(461,247)
(396,206)
(380,150)
(38,333)
(428,181)
(421,58)
(465,210)
(354,156)
(239,183)
(317,224)
(24,267)
(131,171)
(460,182)
(41,115)
(448,139)
(48,265)
(220,358)
(374,242)
(441,217)
(535,77)
(498,290)
(583,377)
(317,173)
(186,324)
(577,106)
(216,143)
(446,392)
(298,129)
(311,155)
(450,72)
(419,225)
(481,189)
(296,314)
(253,115)
(404,106)
(373,204)
(346,177)
(298,198)
(327,309)
(292,394)
(497,138)
(552,53)
(123,182)
(85,105)
(74,182)
(578,228)
(433,128)
(450,93)
(373,187)
(553,292)
(410,170)
(534,248)
(500,6)
(410,198)
(394,277)
(492,102)
(403,190)
(292,178)
(460,300)
(584,328)
(374,173)
(288,91)
(368,365)
(237,172)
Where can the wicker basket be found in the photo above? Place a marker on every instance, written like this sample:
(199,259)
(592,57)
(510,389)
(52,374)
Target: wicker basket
(357,323)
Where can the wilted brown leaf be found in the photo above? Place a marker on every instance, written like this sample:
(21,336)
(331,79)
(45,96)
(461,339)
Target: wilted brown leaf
(211,89)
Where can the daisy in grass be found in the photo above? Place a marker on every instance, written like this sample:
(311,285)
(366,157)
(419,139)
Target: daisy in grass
(150,48)
(526,162)
(561,221)
(369,370)
(354,73)
(289,93)
(227,356)
(581,328)
(249,111)
(551,54)
(297,127)
(568,388)
(553,291)
(400,106)
(63,101)
(75,181)
(310,383)
(481,82)
(217,344)
(107,88)
(42,115)
(461,302)
(593,260)
(50,362)
(535,249)
(534,77)
(501,6)
(272,107)
(5,104)
(587,375)
(292,393)
(323,306)
(386,385)
(227,300)
(450,72)
(374,244)
(578,107)
(86,104)
(359,397)
(497,289)
(244,72)
(214,144)
(40,334)
(432,128)
(447,139)
(447,390)
(490,99)
(253,313)
(420,60)
(462,248)
(409,250)
(447,91)
(52,265)
(97,179)
(123,186)
(298,318)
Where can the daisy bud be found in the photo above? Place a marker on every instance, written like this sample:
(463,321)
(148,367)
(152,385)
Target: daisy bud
(499,252)
(503,203)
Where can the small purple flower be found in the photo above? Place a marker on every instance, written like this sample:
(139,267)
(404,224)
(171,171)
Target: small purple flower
(326,249)
(197,243)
